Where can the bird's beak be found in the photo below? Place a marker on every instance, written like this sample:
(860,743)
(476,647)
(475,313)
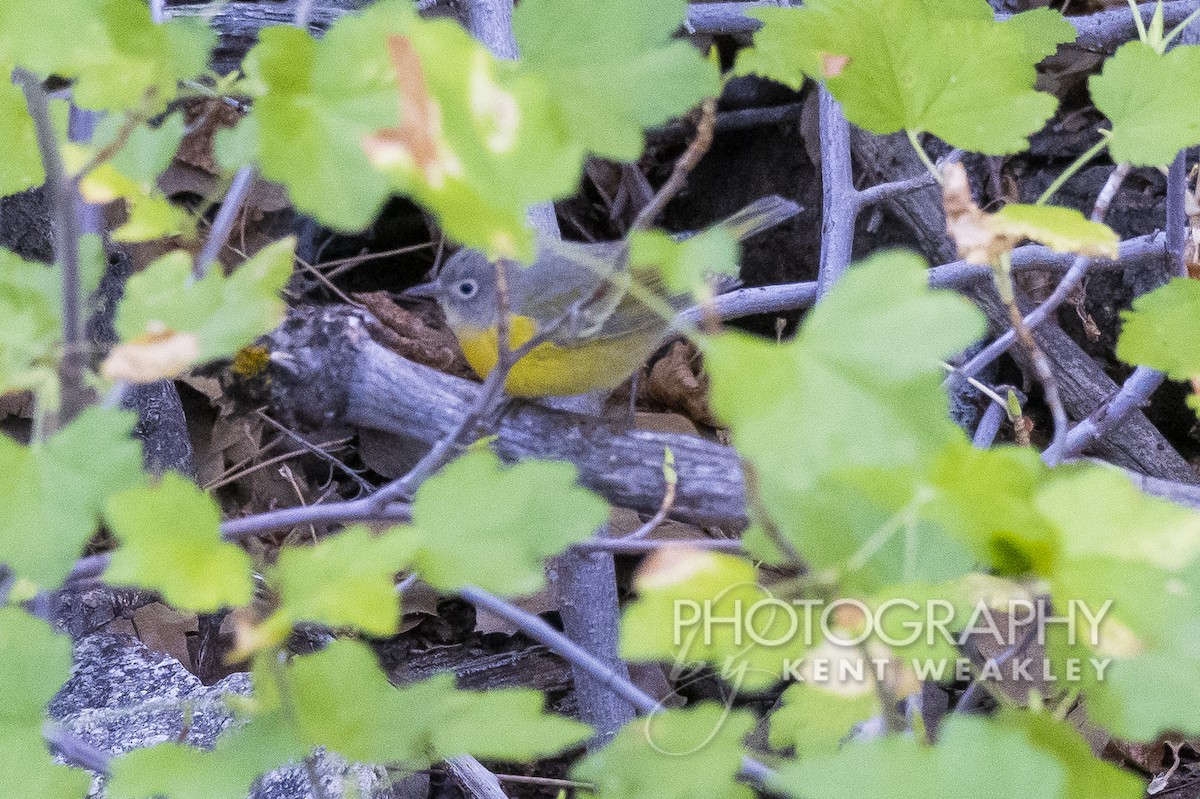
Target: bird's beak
(428,290)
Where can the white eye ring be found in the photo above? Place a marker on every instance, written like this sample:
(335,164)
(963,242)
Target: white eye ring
(466,289)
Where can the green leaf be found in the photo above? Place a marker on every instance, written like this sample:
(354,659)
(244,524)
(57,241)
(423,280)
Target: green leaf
(680,592)
(676,754)
(30,318)
(1127,575)
(493,526)
(171,542)
(1161,331)
(943,68)
(1030,755)
(688,265)
(901,768)
(985,498)
(342,701)
(224,313)
(315,103)
(34,663)
(111,47)
(1060,229)
(1148,97)
(175,771)
(52,492)
(1100,512)
(21,167)
(347,580)
(814,717)
(508,724)
(593,62)
(854,400)
(151,215)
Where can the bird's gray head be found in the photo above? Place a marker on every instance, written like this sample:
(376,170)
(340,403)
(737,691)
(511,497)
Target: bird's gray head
(465,289)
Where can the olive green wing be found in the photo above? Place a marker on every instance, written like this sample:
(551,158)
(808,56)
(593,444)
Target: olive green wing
(591,282)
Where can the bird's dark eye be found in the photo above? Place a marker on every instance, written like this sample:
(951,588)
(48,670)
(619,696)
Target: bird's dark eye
(466,289)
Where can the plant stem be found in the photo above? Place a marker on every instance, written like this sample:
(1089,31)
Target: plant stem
(924,156)
(61,193)
(218,234)
(839,199)
(1074,167)
(1137,20)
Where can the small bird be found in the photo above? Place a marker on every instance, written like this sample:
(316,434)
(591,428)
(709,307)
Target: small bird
(597,327)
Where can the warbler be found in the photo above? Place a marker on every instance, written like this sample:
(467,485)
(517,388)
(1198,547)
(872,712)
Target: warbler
(598,328)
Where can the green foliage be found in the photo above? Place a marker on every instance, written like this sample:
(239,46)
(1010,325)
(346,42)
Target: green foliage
(1060,229)
(171,541)
(343,702)
(856,393)
(1161,332)
(52,492)
(678,590)
(1130,559)
(673,754)
(117,55)
(486,524)
(174,771)
(314,103)
(223,313)
(928,67)
(31,318)
(594,62)
(34,663)
(688,265)
(21,167)
(815,717)
(387,101)
(1025,753)
(347,580)
(1146,95)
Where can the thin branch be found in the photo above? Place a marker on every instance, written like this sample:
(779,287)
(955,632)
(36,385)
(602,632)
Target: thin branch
(727,122)
(75,750)
(989,426)
(61,193)
(537,629)
(625,546)
(683,167)
(1136,390)
(840,202)
(1062,291)
(1134,253)
(239,189)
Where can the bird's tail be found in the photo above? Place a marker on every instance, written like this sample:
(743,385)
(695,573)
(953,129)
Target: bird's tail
(760,215)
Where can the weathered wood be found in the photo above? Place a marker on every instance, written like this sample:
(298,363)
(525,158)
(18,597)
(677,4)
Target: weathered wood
(326,368)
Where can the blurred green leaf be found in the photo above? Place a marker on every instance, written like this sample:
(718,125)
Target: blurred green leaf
(486,524)
(171,542)
(674,754)
(52,492)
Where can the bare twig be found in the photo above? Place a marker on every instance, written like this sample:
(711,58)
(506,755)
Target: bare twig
(61,192)
(1134,254)
(75,750)
(1136,390)
(239,189)
(683,167)
(537,629)
(989,426)
(1073,278)
(624,546)
(839,207)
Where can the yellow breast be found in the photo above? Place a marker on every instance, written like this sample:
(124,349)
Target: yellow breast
(551,370)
